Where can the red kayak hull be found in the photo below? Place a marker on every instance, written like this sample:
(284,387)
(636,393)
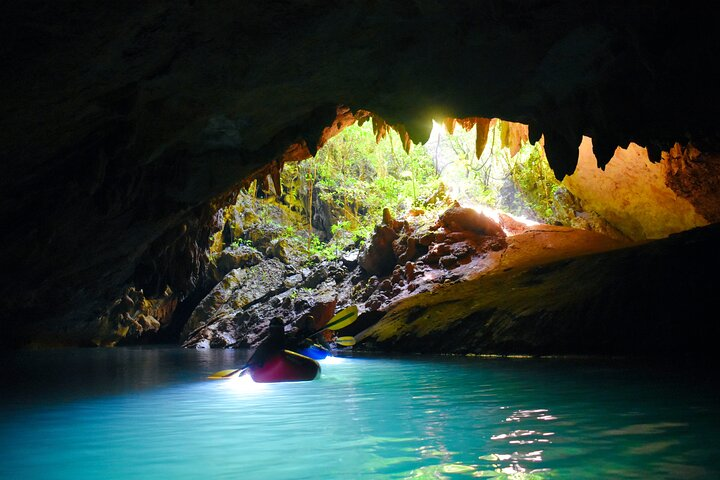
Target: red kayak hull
(286,366)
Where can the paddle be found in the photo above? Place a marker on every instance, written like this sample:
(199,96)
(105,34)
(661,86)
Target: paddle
(225,374)
(341,319)
(345,341)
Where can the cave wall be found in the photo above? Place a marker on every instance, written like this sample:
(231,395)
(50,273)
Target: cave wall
(124,126)
(638,197)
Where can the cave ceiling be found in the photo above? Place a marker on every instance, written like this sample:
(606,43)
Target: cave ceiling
(124,124)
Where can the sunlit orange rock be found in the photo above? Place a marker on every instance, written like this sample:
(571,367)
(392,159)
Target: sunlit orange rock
(632,193)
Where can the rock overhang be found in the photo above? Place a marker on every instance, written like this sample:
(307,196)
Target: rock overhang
(124,126)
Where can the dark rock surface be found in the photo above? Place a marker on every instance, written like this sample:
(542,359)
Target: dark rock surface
(238,310)
(124,126)
(241,287)
(655,298)
(235,314)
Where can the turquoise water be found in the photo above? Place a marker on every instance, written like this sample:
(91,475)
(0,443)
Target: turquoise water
(150,413)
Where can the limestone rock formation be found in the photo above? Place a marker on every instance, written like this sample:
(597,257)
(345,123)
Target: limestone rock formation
(378,257)
(237,315)
(406,257)
(544,297)
(231,258)
(639,197)
(125,127)
(468,219)
(239,288)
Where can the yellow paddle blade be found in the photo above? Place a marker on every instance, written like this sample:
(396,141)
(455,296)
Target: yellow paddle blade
(345,341)
(343,318)
(224,374)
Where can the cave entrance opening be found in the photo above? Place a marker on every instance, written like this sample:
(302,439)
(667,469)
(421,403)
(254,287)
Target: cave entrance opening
(333,201)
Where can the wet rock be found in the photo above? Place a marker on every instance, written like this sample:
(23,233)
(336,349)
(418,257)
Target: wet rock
(363,292)
(323,309)
(350,259)
(462,218)
(356,277)
(293,280)
(497,245)
(374,303)
(399,245)
(134,315)
(410,271)
(279,249)
(316,276)
(462,250)
(339,274)
(436,251)
(335,271)
(301,304)
(407,250)
(510,225)
(427,239)
(449,261)
(453,237)
(378,257)
(148,322)
(239,287)
(397,274)
(301,309)
(235,257)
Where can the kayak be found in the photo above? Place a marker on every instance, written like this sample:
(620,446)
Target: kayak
(315,352)
(286,366)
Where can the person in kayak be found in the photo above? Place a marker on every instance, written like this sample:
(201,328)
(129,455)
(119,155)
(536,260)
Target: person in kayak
(302,336)
(273,344)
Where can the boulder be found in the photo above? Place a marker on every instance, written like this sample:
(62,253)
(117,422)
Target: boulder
(234,257)
(464,218)
(378,257)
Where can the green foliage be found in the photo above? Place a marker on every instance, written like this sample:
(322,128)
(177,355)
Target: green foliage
(241,241)
(360,177)
(340,226)
(531,174)
(354,177)
(325,251)
(483,179)
(288,231)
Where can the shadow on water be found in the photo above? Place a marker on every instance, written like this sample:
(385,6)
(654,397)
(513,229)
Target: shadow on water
(69,373)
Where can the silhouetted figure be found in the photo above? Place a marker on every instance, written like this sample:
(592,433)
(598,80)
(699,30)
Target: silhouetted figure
(299,338)
(303,336)
(273,344)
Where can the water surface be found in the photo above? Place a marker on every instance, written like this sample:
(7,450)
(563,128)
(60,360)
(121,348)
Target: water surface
(151,413)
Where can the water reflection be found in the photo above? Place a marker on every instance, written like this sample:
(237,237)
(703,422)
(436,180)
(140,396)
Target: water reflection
(67,374)
(243,385)
(90,413)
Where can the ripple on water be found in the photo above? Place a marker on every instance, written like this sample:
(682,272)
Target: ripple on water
(153,414)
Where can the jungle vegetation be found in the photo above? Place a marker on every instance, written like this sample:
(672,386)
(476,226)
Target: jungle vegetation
(336,198)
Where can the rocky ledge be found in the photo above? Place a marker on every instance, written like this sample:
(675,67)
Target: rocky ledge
(469,284)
